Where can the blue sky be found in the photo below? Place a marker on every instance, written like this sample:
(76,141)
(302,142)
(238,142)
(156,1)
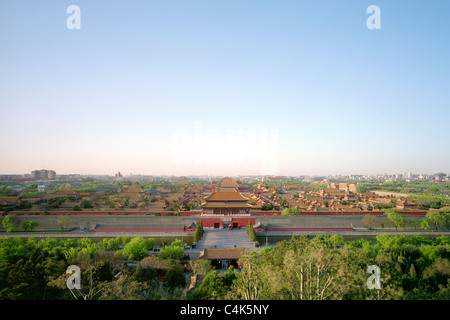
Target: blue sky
(110,97)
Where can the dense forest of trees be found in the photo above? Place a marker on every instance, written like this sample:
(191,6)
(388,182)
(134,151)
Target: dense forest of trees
(320,267)
(327,267)
(36,269)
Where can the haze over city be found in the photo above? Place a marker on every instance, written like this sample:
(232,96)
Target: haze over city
(225,88)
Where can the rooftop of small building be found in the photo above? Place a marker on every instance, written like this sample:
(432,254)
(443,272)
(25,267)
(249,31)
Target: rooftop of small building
(217,254)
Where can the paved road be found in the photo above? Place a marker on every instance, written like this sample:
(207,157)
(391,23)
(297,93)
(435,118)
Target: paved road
(222,238)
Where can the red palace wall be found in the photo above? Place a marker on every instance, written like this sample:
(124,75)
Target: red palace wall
(190,213)
(209,222)
(315,213)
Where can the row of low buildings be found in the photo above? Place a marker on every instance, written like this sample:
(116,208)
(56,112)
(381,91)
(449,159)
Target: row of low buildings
(332,199)
(222,198)
(225,197)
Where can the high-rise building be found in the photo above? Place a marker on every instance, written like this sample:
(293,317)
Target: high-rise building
(43,174)
(407,175)
(51,174)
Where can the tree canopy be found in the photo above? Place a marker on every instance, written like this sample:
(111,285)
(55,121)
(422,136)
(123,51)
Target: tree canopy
(302,268)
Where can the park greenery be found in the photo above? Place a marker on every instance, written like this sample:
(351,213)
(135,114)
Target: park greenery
(414,187)
(35,269)
(327,267)
(320,267)
(427,195)
(433,219)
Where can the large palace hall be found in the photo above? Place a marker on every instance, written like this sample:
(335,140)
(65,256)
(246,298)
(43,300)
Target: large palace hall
(228,200)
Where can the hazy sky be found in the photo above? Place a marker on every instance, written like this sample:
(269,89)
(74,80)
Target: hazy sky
(225,87)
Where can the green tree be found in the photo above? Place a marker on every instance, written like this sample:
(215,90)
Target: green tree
(24,205)
(251,231)
(138,248)
(250,281)
(267,206)
(290,211)
(87,246)
(200,267)
(97,271)
(56,202)
(199,231)
(86,203)
(437,218)
(8,224)
(29,225)
(150,268)
(174,276)
(142,204)
(424,224)
(114,243)
(297,269)
(27,278)
(122,287)
(368,221)
(174,251)
(63,222)
(414,223)
(396,218)
(215,285)
(435,277)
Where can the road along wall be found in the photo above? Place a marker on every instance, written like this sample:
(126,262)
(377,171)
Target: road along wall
(136,223)
(97,222)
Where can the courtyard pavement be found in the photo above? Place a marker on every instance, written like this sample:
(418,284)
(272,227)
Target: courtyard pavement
(221,239)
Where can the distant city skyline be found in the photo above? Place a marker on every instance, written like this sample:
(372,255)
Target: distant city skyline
(225,88)
(46,174)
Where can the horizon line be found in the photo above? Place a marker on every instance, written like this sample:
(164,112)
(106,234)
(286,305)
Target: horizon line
(233,175)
